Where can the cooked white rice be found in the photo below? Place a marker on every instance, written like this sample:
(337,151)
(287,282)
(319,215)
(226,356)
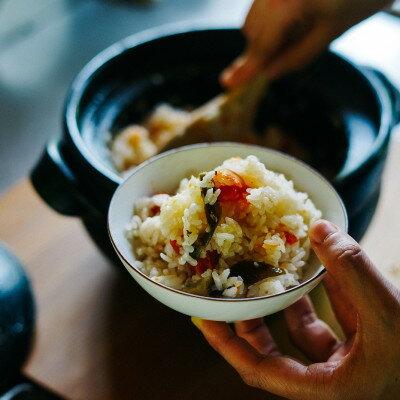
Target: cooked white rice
(271,228)
(136,143)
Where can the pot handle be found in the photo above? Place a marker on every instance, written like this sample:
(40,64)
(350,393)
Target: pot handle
(57,185)
(392,90)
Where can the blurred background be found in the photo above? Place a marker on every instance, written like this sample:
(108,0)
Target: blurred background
(43,46)
(45,43)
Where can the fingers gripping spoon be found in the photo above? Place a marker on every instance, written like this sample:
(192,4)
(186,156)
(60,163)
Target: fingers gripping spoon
(227,117)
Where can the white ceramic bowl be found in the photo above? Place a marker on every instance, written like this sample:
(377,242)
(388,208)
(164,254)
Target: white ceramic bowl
(164,172)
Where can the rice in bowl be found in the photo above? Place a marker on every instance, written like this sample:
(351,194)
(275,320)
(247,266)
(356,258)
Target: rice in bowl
(237,231)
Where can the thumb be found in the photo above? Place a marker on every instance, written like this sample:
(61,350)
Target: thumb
(351,268)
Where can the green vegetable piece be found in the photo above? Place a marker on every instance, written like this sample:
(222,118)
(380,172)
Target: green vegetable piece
(213,214)
(253,271)
(201,287)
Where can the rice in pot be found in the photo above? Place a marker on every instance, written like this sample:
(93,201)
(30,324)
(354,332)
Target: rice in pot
(237,231)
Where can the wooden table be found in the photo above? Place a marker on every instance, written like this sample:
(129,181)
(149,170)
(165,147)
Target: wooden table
(99,336)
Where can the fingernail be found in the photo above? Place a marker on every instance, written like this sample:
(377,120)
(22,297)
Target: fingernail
(321,229)
(196,322)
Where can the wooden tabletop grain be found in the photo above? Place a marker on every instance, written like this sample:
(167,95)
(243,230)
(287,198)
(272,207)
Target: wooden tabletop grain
(99,336)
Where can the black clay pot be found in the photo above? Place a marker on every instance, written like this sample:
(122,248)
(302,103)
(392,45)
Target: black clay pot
(341,113)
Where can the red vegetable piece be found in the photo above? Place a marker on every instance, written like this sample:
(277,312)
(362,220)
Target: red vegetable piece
(290,238)
(208,262)
(175,246)
(232,186)
(226,177)
(154,210)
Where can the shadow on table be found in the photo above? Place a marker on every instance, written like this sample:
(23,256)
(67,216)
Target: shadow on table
(155,353)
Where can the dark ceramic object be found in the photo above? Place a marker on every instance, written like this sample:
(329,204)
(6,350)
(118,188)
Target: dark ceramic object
(17,321)
(16,316)
(344,114)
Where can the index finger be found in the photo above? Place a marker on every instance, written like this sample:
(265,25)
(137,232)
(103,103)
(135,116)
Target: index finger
(268,28)
(256,333)
(236,350)
(280,375)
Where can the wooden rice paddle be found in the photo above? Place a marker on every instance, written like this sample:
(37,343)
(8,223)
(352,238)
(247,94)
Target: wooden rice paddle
(227,117)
